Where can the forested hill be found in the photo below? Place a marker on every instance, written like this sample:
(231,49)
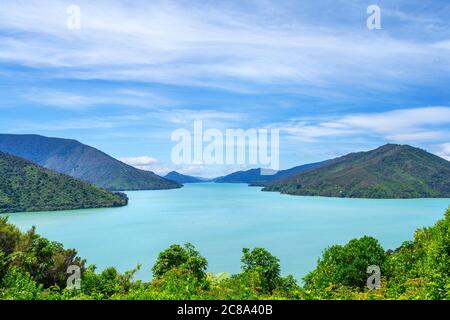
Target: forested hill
(83,162)
(391,171)
(25,186)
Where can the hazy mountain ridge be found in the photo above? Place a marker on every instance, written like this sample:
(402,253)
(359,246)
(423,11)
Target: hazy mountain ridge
(82,162)
(254,176)
(390,171)
(183,178)
(25,186)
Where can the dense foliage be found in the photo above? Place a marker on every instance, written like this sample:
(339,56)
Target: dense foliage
(182,258)
(391,171)
(27,187)
(82,162)
(32,267)
(347,265)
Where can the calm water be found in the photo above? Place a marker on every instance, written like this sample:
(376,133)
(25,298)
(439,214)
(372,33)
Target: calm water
(221,219)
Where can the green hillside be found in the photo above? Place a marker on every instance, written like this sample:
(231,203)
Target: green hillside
(391,171)
(82,162)
(25,186)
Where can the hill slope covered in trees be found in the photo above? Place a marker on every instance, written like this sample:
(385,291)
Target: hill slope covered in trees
(25,186)
(391,171)
(83,162)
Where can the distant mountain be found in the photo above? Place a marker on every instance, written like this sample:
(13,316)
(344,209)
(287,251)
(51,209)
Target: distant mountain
(25,186)
(182,178)
(256,178)
(391,171)
(83,162)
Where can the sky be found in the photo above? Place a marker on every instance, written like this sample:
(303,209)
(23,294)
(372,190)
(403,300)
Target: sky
(136,71)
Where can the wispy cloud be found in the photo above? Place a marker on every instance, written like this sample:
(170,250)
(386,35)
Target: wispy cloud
(78,100)
(162,168)
(444,151)
(310,68)
(205,45)
(403,125)
(141,162)
(165,120)
(210,118)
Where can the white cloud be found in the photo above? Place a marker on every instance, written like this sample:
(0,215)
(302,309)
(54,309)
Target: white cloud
(152,164)
(141,162)
(444,151)
(163,168)
(201,45)
(402,125)
(158,123)
(76,100)
(210,118)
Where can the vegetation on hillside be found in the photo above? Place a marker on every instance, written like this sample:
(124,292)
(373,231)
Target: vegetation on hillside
(391,171)
(25,186)
(82,162)
(32,267)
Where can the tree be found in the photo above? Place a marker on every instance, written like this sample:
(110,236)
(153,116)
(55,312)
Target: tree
(107,283)
(347,265)
(46,261)
(9,236)
(186,258)
(437,262)
(262,263)
(3,265)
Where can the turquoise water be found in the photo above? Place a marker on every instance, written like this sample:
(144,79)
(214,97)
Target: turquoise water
(221,219)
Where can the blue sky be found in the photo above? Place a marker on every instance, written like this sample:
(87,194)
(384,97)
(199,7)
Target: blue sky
(137,70)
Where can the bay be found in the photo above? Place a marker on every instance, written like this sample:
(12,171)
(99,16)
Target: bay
(221,219)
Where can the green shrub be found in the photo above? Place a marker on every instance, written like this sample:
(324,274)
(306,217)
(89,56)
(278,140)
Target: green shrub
(182,258)
(346,265)
(18,285)
(264,267)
